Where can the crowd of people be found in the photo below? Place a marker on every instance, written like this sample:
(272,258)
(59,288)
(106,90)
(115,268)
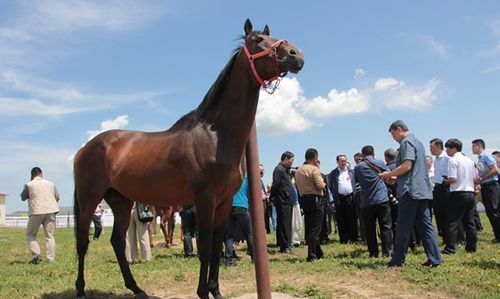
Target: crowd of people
(400,193)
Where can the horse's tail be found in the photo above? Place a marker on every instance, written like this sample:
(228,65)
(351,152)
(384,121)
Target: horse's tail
(76,216)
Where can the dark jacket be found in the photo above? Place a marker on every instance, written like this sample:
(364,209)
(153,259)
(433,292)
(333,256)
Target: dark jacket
(281,190)
(333,182)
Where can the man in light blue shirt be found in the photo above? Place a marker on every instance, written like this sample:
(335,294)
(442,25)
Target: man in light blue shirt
(414,192)
(490,190)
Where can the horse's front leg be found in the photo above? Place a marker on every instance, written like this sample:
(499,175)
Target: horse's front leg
(205,214)
(204,254)
(213,277)
(220,219)
(121,211)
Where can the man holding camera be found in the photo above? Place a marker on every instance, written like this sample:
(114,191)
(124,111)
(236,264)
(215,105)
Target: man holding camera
(374,202)
(414,193)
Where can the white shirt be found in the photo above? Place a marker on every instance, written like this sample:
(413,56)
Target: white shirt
(463,170)
(440,167)
(345,185)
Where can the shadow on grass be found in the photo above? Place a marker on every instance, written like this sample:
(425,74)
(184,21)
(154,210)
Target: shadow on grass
(484,264)
(91,294)
(351,254)
(365,264)
(19,263)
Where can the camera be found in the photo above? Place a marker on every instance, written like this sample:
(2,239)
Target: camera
(392,200)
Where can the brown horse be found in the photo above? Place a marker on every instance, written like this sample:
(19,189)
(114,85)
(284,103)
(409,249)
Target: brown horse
(197,161)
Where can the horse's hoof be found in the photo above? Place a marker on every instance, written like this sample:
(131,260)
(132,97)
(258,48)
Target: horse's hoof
(217,295)
(141,295)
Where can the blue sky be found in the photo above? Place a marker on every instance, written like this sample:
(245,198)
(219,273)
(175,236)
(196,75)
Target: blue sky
(70,69)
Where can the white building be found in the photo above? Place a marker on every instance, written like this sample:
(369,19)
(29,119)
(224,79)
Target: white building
(3,197)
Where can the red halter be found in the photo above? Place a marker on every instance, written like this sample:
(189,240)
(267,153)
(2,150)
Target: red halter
(271,50)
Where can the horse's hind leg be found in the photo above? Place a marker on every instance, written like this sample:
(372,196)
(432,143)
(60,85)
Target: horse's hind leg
(84,210)
(121,207)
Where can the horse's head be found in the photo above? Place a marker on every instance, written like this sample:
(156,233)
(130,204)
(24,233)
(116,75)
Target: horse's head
(270,58)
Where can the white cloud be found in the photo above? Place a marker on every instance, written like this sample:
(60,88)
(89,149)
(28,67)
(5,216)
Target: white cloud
(493,69)
(50,98)
(277,113)
(74,15)
(436,46)
(337,103)
(36,31)
(359,73)
(289,111)
(119,122)
(417,97)
(488,52)
(495,26)
(388,83)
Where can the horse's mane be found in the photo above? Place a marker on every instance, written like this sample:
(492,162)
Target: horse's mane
(212,97)
(215,91)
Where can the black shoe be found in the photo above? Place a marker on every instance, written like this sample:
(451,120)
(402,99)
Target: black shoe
(36,260)
(430,264)
(229,262)
(448,252)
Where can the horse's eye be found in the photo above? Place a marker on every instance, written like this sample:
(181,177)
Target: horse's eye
(258,39)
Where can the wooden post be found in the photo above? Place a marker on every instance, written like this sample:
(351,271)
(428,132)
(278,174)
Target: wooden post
(260,254)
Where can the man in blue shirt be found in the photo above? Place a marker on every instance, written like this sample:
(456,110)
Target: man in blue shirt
(490,190)
(239,217)
(414,192)
(374,202)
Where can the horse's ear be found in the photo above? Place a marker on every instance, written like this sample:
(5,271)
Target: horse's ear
(248,27)
(266,30)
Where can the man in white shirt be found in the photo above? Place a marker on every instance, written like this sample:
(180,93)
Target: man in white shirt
(440,192)
(461,176)
(342,186)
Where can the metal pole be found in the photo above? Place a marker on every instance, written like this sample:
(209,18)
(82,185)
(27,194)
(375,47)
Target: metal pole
(261,259)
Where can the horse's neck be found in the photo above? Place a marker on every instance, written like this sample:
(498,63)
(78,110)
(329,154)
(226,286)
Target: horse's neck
(233,114)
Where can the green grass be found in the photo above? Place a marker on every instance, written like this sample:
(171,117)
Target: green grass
(346,271)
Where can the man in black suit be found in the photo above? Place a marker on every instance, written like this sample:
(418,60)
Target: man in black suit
(282,196)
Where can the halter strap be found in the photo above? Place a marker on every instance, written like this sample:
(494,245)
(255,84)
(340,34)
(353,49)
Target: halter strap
(266,83)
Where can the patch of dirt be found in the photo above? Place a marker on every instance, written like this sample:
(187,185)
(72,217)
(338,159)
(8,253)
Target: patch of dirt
(357,285)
